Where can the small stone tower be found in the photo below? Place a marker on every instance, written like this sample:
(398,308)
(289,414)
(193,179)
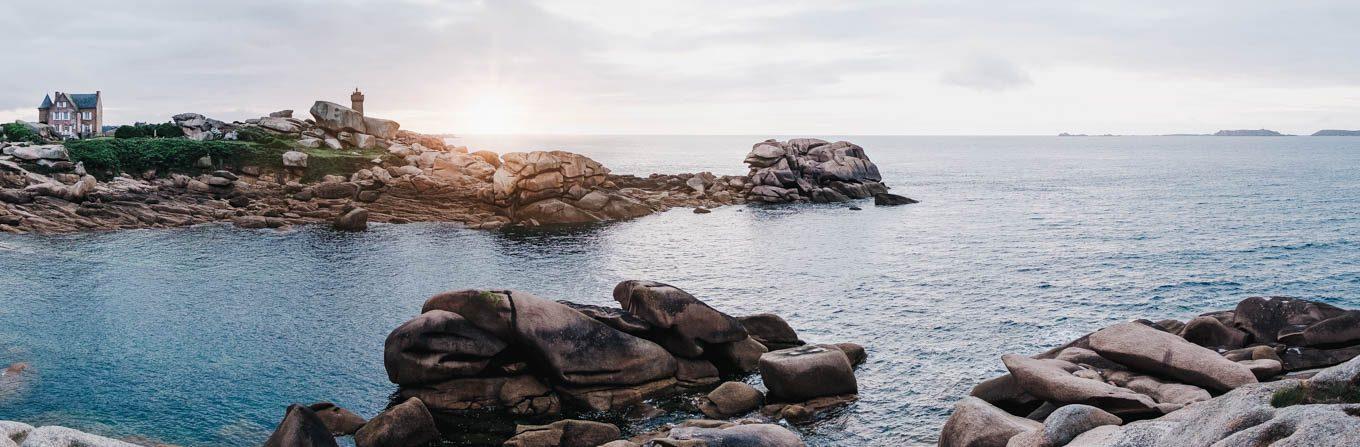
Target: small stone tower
(356,101)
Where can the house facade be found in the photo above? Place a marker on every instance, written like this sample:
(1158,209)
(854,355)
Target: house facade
(74,115)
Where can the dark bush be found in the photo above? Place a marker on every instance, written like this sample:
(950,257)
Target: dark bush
(19,132)
(162,130)
(129,132)
(106,157)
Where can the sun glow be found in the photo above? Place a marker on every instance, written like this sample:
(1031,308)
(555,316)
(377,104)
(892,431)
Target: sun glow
(493,112)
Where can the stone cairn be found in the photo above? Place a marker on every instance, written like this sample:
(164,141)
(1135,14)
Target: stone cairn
(474,362)
(1246,377)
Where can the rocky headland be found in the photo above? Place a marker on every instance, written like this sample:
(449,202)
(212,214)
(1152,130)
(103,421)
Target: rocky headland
(1336,133)
(504,367)
(1273,371)
(345,169)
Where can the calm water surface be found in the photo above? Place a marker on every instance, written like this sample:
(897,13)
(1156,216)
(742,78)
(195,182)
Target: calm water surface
(202,336)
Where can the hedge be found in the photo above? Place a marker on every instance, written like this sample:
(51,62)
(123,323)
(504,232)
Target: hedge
(107,157)
(162,130)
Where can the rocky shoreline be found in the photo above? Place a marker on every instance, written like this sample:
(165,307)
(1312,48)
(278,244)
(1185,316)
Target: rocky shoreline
(411,177)
(502,367)
(1273,371)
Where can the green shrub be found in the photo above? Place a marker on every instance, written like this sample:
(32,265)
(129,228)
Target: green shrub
(162,130)
(108,157)
(19,132)
(129,132)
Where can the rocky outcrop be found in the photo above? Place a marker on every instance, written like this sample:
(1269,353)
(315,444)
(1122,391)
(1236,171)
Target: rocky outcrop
(811,170)
(199,127)
(503,353)
(337,118)
(558,188)
(1163,375)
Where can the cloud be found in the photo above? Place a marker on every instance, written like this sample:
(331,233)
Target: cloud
(699,66)
(989,74)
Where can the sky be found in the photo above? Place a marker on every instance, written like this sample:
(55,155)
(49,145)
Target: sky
(758,67)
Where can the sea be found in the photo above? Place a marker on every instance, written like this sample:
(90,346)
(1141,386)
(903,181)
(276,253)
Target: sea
(202,336)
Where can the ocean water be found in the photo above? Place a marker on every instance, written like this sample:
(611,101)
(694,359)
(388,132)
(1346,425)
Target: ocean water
(202,336)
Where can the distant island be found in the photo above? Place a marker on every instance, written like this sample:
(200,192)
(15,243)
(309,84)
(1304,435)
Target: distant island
(1248,133)
(1337,133)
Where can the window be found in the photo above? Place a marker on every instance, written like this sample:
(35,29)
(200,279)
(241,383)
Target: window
(85,115)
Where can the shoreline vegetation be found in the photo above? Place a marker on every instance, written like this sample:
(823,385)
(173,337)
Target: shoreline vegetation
(346,169)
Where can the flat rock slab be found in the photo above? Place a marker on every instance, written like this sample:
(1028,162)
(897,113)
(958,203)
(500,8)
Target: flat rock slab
(1153,351)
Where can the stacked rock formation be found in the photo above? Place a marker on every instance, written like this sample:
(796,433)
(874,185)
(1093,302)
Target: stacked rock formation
(476,357)
(198,127)
(811,170)
(1166,374)
(558,187)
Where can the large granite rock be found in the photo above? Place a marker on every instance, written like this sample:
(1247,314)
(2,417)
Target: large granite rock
(771,330)
(730,399)
(1154,351)
(438,346)
(807,372)
(301,428)
(1053,380)
(198,127)
(339,421)
(55,152)
(557,187)
(1211,333)
(679,321)
(521,395)
(580,356)
(808,169)
(1063,425)
(406,424)
(976,423)
(1266,317)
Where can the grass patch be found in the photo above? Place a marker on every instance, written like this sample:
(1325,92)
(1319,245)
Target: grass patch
(1285,397)
(1309,393)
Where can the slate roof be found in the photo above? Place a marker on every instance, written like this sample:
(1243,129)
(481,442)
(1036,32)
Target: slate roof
(85,100)
(82,100)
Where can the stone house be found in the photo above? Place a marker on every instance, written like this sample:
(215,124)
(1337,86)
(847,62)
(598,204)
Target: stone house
(74,115)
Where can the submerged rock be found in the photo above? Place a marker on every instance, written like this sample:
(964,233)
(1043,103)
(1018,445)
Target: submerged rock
(886,199)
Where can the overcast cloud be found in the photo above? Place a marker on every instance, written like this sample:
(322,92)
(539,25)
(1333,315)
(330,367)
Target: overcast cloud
(758,67)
